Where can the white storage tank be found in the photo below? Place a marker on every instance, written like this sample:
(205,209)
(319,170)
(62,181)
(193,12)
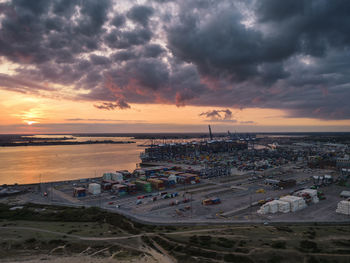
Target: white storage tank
(94,189)
(264,209)
(296,203)
(273,206)
(343,207)
(107,176)
(283,207)
(117,177)
(345,194)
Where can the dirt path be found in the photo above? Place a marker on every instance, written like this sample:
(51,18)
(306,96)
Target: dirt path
(70,235)
(159,257)
(115,238)
(107,238)
(154,256)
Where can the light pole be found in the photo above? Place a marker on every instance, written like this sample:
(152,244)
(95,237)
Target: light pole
(250,201)
(51,197)
(190,200)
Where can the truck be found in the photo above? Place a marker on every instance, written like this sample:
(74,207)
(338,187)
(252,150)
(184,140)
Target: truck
(211,201)
(321,195)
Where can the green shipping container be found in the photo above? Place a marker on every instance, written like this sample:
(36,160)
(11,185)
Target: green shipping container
(143,186)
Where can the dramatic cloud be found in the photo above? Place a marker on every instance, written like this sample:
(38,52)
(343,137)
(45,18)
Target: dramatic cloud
(291,55)
(218,115)
(140,14)
(112,106)
(19,84)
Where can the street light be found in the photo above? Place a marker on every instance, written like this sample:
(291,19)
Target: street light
(191,201)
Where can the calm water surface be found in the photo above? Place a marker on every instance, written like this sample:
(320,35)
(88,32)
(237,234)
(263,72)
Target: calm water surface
(64,162)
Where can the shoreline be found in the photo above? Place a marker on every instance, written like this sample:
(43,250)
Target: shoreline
(62,143)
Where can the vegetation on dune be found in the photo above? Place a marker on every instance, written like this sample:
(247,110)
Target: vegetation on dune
(250,244)
(33,212)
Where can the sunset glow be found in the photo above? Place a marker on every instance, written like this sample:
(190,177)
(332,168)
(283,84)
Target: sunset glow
(30,122)
(123,72)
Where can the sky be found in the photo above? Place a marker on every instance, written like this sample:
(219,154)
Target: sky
(174,66)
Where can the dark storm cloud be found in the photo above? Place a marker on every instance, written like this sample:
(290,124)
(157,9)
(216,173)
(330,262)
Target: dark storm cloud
(152,50)
(124,55)
(256,61)
(291,55)
(163,1)
(33,33)
(149,73)
(118,21)
(140,14)
(126,39)
(220,46)
(99,60)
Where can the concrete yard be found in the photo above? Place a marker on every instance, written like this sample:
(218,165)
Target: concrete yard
(237,193)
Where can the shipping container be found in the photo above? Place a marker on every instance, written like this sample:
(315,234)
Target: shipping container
(143,186)
(120,189)
(156,184)
(131,188)
(106,186)
(188,178)
(287,183)
(79,192)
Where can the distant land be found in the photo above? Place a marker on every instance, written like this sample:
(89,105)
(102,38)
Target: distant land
(7,140)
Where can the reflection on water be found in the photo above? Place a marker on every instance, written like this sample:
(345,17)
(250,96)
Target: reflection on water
(71,138)
(64,162)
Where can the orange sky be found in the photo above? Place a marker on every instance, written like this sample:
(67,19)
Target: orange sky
(28,113)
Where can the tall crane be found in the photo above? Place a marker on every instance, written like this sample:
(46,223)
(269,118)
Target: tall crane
(210,134)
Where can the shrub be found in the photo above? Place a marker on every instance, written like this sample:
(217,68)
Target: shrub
(193,239)
(237,258)
(30,240)
(278,244)
(306,246)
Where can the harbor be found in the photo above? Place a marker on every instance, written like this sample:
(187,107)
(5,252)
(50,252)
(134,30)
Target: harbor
(213,180)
